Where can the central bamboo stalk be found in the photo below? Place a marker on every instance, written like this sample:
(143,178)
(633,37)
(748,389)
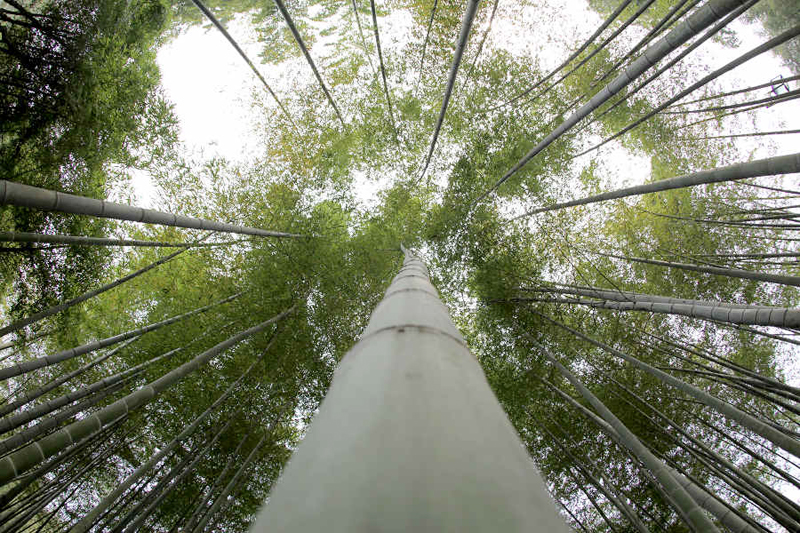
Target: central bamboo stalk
(410,437)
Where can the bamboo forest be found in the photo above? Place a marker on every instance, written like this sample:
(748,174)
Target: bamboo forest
(412,265)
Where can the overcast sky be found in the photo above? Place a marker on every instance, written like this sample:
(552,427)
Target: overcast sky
(212,88)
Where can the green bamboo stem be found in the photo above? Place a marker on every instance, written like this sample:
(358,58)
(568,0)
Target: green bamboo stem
(58,357)
(18,194)
(37,452)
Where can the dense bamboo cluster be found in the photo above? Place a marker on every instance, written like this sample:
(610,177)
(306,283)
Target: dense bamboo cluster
(638,380)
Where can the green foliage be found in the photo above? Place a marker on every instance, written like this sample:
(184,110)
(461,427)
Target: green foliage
(101,114)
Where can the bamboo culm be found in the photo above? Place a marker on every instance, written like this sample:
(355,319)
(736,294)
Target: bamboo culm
(166,485)
(606,23)
(33,364)
(18,194)
(694,24)
(780,503)
(28,397)
(29,434)
(781,279)
(686,506)
(232,484)
(37,452)
(691,48)
(19,324)
(756,426)
(11,422)
(782,317)
(19,236)
(200,509)
(787,164)
(299,39)
(207,12)
(86,522)
(410,396)
(461,44)
(769,45)
(380,62)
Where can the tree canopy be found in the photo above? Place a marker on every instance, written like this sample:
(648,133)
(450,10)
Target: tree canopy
(157,376)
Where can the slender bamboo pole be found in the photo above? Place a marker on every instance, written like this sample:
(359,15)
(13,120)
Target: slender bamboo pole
(27,435)
(232,484)
(769,45)
(783,317)
(685,505)
(210,16)
(756,426)
(19,324)
(80,240)
(21,460)
(461,44)
(781,279)
(200,508)
(297,37)
(606,23)
(47,360)
(140,513)
(373,9)
(770,166)
(87,521)
(425,42)
(697,22)
(29,396)
(18,194)
(23,417)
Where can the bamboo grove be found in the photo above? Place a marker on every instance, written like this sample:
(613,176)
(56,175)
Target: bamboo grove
(608,215)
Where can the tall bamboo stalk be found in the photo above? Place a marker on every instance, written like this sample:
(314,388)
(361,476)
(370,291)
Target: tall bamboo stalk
(697,22)
(461,44)
(786,164)
(210,16)
(299,39)
(19,324)
(18,194)
(395,442)
(15,463)
(87,521)
(47,360)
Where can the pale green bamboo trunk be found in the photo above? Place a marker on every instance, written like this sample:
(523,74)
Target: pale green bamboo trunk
(27,366)
(19,324)
(687,508)
(710,503)
(410,437)
(88,520)
(463,37)
(21,195)
(785,164)
(694,24)
(16,463)
(21,236)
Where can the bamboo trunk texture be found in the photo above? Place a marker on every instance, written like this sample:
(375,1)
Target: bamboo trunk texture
(410,437)
(782,317)
(20,195)
(710,503)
